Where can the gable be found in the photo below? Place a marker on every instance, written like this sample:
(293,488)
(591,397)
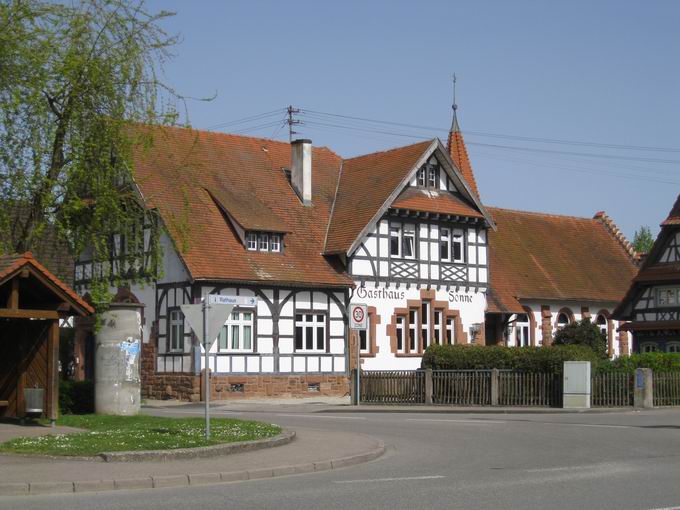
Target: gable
(371,184)
(670,251)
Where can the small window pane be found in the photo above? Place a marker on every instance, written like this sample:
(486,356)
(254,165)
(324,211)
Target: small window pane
(298,317)
(320,338)
(276,242)
(247,337)
(363,340)
(234,337)
(309,340)
(298,337)
(264,242)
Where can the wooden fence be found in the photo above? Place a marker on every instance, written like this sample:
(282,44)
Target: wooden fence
(612,389)
(529,389)
(461,387)
(666,388)
(393,387)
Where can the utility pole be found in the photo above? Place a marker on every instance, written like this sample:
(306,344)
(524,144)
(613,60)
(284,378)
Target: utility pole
(292,122)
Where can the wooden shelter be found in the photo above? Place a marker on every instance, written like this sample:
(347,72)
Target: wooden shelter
(32,300)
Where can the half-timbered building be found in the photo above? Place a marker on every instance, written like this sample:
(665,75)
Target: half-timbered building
(652,303)
(306,233)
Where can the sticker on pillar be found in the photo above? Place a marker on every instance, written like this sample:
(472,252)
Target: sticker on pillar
(131,349)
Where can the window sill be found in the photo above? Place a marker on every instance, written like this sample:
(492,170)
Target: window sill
(367,354)
(408,354)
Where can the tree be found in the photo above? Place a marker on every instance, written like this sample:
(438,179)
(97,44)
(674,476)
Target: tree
(73,80)
(582,332)
(643,240)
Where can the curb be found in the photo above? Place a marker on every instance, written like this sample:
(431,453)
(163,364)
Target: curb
(186,480)
(284,437)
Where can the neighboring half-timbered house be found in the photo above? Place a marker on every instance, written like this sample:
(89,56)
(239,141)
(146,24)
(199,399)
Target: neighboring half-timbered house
(306,233)
(652,303)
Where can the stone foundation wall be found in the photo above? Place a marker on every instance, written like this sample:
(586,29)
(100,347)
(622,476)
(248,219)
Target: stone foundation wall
(189,387)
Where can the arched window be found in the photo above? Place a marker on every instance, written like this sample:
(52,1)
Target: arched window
(649,347)
(601,323)
(522,330)
(673,347)
(563,319)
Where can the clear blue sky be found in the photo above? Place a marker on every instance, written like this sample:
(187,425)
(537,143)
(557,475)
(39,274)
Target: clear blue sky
(605,72)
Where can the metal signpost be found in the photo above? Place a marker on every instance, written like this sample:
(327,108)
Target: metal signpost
(206,320)
(358,320)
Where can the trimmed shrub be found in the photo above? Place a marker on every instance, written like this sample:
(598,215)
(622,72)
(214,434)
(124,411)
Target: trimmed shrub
(76,397)
(529,359)
(583,332)
(657,361)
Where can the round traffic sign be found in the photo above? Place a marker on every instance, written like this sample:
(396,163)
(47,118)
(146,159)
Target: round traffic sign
(358,314)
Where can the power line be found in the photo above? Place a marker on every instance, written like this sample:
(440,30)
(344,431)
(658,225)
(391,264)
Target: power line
(499,135)
(251,118)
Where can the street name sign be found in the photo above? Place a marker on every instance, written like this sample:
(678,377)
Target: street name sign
(219,299)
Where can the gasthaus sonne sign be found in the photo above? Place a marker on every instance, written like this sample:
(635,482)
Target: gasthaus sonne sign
(358,316)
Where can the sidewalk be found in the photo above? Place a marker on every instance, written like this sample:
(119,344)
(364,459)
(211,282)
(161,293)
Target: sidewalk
(311,450)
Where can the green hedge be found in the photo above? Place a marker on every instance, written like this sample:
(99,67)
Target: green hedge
(530,359)
(657,361)
(76,397)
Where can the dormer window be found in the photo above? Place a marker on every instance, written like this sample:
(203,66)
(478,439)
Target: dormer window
(451,245)
(275,243)
(428,175)
(264,242)
(251,241)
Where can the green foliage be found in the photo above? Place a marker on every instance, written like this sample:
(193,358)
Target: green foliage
(531,359)
(130,433)
(657,361)
(74,76)
(643,240)
(585,333)
(76,397)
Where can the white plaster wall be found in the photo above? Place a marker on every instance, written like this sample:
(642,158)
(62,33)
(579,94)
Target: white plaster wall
(471,306)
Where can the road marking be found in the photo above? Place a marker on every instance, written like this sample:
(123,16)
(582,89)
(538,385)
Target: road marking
(472,421)
(325,417)
(667,508)
(377,480)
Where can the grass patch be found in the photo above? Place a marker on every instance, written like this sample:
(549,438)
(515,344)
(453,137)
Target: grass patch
(130,433)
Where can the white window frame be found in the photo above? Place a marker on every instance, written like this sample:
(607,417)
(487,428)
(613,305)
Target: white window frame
(412,330)
(603,327)
(451,330)
(275,243)
(432,176)
(251,241)
(674,291)
(649,347)
(673,347)
(263,242)
(175,330)
(425,326)
(438,326)
(458,237)
(422,177)
(522,331)
(560,325)
(318,320)
(395,233)
(366,333)
(401,327)
(408,232)
(445,244)
(225,340)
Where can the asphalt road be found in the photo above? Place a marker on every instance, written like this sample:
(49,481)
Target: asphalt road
(622,460)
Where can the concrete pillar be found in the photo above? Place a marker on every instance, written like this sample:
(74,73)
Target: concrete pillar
(428,386)
(643,393)
(117,360)
(494,386)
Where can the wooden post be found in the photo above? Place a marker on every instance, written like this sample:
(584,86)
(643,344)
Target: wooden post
(353,386)
(428,386)
(494,386)
(52,390)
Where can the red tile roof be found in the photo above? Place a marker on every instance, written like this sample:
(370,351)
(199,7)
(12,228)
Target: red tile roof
(10,265)
(245,176)
(365,185)
(459,155)
(550,257)
(674,216)
(435,202)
